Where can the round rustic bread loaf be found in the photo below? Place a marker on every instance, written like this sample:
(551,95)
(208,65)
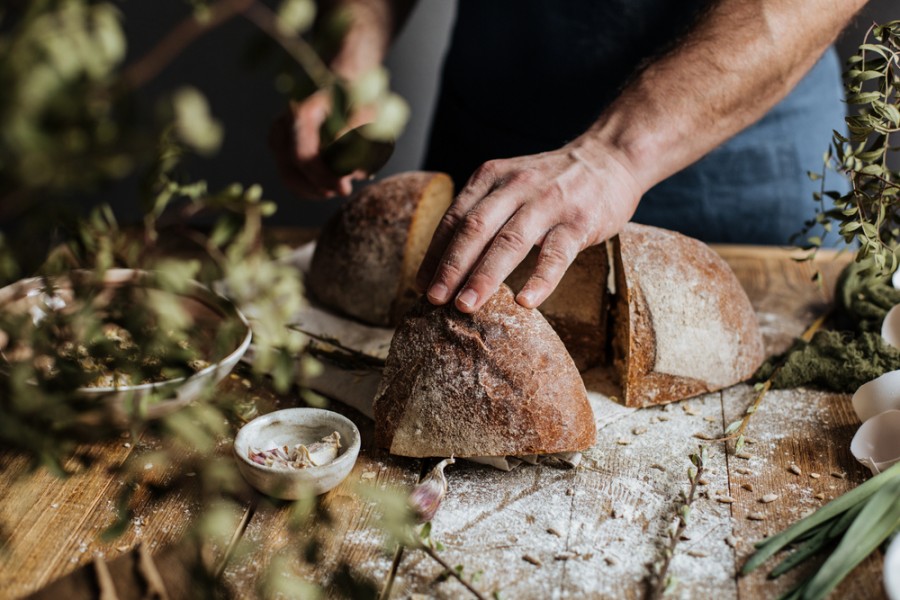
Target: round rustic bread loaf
(495,383)
(682,323)
(367,255)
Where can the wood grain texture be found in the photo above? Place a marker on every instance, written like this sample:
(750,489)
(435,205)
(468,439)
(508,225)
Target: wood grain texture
(535,532)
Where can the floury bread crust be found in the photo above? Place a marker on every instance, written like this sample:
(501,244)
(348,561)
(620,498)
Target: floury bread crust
(495,383)
(682,323)
(367,255)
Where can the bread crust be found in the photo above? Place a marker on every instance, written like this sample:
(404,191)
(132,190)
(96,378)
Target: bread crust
(495,383)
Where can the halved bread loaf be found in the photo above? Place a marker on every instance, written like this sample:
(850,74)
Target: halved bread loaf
(578,307)
(367,255)
(682,325)
(495,383)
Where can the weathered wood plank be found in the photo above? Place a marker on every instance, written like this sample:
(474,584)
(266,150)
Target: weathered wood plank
(809,430)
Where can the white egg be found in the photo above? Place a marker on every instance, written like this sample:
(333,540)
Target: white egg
(877,442)
(892,569)
(877,396)
(890,327)
(895,279)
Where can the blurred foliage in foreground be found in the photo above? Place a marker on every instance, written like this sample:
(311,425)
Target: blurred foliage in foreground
(71,120)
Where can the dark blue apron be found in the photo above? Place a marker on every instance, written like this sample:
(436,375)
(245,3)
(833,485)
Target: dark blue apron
(527,76)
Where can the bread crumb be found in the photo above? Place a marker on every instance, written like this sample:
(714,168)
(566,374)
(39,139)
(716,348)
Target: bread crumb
(689,409)
(769,498)
(367,475)
(795,469)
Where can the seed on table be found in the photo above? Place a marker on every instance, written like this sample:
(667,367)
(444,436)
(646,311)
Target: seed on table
(703,481)
(749,440)
(710,419)
(747,486)
(611,560)
(795,469)
(769,498)
(529,558)
(743,471)
(623,442)
(553,531)
(663,417)
(697,553)
(819,496)
(725,499)
(731,541)
(564,556)
(689,409)
(703,436)
(658,467)
(639,430)
(744,455)
(814,475)
(838,474)
(755,516)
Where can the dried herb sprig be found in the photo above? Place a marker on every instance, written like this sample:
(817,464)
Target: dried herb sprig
(661,581)
(737,429)
(849,528)
(868,213)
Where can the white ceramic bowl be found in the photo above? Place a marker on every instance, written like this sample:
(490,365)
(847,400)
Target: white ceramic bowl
(114,404)
(289,427)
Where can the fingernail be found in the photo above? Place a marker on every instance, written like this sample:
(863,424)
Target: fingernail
(526,298)
(438,294)
(467,298)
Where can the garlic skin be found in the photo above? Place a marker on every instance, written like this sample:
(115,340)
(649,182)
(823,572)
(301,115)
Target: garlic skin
(324,451)
(425,499)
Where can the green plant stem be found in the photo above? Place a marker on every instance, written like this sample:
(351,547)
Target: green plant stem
(183,35)
(770,546)
(450,571)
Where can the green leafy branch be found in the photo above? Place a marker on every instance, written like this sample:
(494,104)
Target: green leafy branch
(868,213)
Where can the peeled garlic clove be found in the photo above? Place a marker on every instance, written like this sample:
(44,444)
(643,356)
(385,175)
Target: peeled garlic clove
(426,497)
(877,442)
(895,279)
(890,327)
(877,396)
(325,450)
(892,569)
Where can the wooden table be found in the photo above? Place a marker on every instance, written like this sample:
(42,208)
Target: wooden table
(535,532)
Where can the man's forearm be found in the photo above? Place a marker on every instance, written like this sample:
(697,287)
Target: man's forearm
(739,60)
(373,24)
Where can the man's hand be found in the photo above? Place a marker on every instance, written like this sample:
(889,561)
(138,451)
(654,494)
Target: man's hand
(294,139)
(562,201)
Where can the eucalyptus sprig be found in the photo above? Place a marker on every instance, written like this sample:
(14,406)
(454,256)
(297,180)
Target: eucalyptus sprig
(868,213)
(848,529)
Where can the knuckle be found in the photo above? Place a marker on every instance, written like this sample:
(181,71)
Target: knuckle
(553,257)
(487,170)
(473,225)
(510,239)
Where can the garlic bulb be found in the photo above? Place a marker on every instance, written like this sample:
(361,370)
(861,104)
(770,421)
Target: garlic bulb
(426,497)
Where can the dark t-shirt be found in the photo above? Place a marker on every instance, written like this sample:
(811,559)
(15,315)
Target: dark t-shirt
(527,76)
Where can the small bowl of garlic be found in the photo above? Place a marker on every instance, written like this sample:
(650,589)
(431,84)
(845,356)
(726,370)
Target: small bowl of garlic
(294,452)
